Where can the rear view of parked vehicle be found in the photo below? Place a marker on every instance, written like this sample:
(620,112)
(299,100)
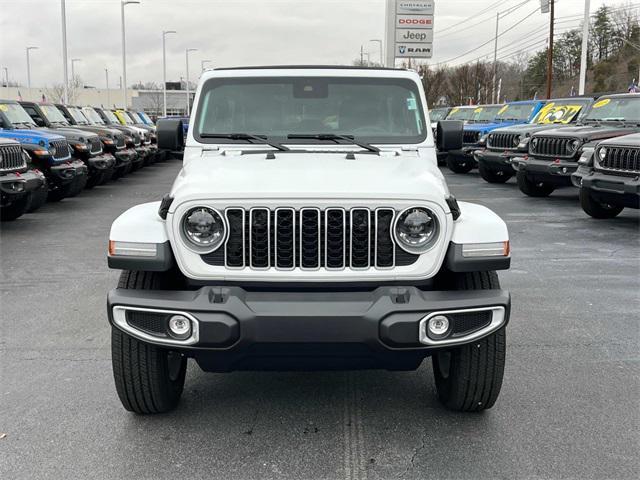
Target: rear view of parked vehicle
(505,143)
(554,154)
(609,177)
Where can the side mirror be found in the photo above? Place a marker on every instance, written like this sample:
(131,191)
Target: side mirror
(449,135)
(170,134)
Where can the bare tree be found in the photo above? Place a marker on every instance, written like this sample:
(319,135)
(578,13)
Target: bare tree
(56,92)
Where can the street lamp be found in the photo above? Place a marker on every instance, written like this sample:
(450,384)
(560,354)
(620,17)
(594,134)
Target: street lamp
(164,70)
(106,77)
(202,62)
(29,66)
(186,55)
(124,52)
(73,68)
(6,74)
(65,64)
(377,40)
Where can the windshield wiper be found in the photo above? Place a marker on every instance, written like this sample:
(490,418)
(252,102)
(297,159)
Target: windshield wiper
(248,137)
(335,138)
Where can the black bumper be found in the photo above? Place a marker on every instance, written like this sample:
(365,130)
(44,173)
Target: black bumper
(124,158)
(555,172)
(102,162)
(240,329)
(14,186)
(612,188)
(65,173)
(496,160)
(465,154)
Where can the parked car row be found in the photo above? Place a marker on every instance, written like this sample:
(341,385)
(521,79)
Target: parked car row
(53,151)
(571,142)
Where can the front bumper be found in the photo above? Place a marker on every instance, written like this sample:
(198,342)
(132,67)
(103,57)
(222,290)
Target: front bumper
(496,160)
(14,186)
(101,162)
(236,329)
(64,173)
(124,158)
(616,189)
(556,172)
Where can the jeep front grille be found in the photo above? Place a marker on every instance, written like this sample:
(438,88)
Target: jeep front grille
(12,159)
(120,143)
(136,140)
(620,159)
(95,145)
(470,137)
(552,147)
(309,238)
(62,149)
(503,141)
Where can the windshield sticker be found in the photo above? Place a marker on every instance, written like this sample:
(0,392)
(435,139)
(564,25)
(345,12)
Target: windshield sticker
(601,103)
(558,113)
(503,109)
(478,110)
(454,111)
(4,108)
(411,104)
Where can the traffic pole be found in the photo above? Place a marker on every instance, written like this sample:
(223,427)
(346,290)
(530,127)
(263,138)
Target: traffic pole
(550,50)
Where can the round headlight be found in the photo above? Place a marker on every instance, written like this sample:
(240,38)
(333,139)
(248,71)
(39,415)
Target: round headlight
(534,142)
(203,227)
(602,153)
(52,150)
(516,140)
(416,229)
(573,145)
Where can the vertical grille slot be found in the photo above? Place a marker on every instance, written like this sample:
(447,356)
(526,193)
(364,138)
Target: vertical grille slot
(385,250)
(335,238)
(310,238)
(285,237)
(360,238)
(259,237)
(234,247)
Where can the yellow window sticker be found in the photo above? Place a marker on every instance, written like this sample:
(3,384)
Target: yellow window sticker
(503,109)
(601,103)
(478,110)
(454,110)
(4,108)
(559,114)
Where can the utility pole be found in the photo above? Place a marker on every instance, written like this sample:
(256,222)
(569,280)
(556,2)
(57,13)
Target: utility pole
(550,51)
(361,55)
(186,55)
(106,77)
(65,65)
(585,46)
(495,60)
(164,70)
(6,74)
(124,51)
(29,67)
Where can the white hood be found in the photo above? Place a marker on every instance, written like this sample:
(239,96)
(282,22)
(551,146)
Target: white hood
(312,175)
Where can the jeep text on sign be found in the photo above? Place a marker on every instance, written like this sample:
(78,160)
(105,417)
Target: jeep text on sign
(414,36)
(415,7)
(414,21)
(414,50)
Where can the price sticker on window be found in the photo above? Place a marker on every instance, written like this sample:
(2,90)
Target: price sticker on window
(602,103)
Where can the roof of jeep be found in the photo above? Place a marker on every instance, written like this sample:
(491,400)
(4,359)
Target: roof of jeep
(308,67)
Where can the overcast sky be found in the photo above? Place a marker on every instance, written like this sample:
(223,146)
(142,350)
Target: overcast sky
(243,32)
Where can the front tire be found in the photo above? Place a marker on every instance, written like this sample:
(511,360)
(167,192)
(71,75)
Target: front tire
(16,209)
(493,176)
(460,165)
(149,379)
(597,209)
(533,189)
(469,378)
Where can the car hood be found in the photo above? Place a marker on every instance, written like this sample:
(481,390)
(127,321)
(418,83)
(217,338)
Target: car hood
(31,136)
(100,130)
(589,132)
(308,175)
(632,140)
(71,133)
(526,128)
(486,127)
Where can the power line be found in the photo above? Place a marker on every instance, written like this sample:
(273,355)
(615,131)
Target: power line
(472,17)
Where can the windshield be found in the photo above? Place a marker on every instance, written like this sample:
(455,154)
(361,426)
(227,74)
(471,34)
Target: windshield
(560,112)
(92,115)
(438,114)
(134,117)
(378,110)
(622,108)
(16,114)
(461,113)
(123,115)
(518,112)
(145,118)
(53,114)
(486,114)
(111,116)
(77,115)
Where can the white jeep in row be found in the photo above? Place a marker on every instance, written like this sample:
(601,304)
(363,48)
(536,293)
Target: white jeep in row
(309,228)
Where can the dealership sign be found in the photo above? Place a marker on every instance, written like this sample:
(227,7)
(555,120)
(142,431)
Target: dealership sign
(413,28)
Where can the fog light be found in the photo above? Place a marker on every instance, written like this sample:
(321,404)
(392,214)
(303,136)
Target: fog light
(17,186)
(179,327)
(438,326)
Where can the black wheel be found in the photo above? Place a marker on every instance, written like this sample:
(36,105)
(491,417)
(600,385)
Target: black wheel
(78,184)
(37,198)
(531,188)
(61,191)
(149,379)
(460,164)
(15,209)
(469,378)
(597,209)
(493,176)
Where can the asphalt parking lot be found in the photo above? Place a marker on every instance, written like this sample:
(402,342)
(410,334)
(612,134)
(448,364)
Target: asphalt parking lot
(569,408)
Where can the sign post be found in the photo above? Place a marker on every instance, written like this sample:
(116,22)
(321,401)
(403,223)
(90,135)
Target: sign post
(409,29)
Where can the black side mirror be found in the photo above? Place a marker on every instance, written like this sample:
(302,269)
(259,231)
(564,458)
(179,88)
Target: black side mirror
(449,135)
(170,134)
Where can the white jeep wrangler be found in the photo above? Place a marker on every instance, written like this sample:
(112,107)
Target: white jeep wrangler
(309,228)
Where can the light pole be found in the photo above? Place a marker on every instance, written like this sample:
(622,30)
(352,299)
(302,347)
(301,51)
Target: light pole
(202,62)
(164,70)
(65,64)
(73,68)
(106,77)
(124,52)
(6,74)
(186,55)
(377,40)
(29,66)
(585,47)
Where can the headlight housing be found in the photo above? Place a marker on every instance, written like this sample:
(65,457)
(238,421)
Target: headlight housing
(203,228)
(573,146)
(416,229)
(602,153)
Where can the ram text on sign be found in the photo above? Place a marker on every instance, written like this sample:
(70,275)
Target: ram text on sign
(414,36)
(414,50)
(414,7)
(414,21)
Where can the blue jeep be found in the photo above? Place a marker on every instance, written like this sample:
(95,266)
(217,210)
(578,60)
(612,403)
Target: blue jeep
(50,153)
(513,113)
